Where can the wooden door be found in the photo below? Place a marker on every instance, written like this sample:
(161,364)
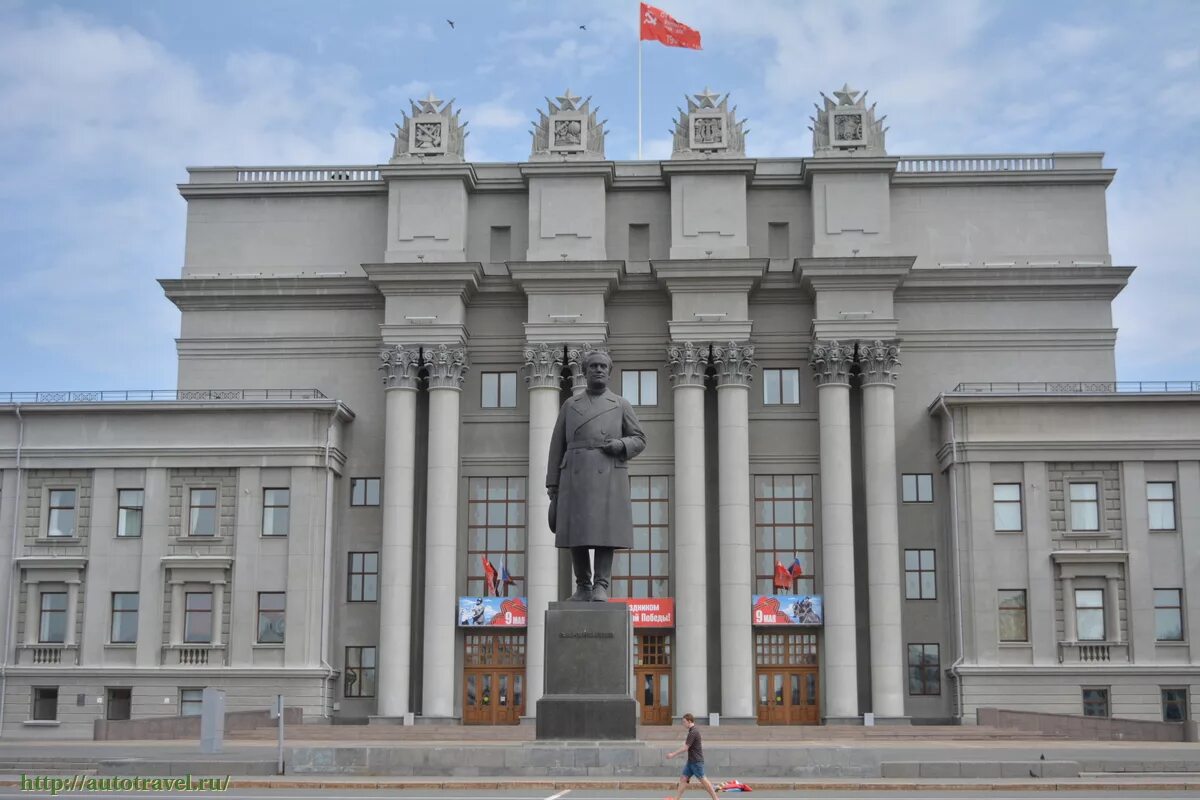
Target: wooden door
(772,700)
(494,679)
(654,686)
(786,687)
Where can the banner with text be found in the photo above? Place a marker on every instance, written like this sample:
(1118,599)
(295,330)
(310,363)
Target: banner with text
(650,612)
(482,611)
(787,609)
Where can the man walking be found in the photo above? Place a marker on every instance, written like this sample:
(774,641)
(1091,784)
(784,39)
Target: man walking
(695,760)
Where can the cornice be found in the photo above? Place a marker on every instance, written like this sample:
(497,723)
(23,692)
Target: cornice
(566,277)
(191,191)
(1014,283)
(311,455)
(192,406)
(1006,339)
(568,169)
(1062,177)
(1089,556)
(215,294)
(705,166)
(848,164)
(51,562)
(426,277)
(876,272)
(1052,398)
(418,170)
(709,274)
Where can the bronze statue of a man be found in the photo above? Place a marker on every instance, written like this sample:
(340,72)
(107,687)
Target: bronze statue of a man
(588,477)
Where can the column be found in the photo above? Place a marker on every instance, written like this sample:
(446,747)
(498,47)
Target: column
(400,366)
(878,362)
(218,595)
(1068,605)
(33,610)
(177,611)
(734,363)
(447,366)
(831,367)
(1112,617)
(687,363)
(72,610)
(543,364)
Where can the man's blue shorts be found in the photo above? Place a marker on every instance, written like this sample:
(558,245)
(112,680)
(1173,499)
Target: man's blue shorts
(693,769)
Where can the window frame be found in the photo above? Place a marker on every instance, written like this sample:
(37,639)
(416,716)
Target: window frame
(640,385)
(1153,502)
(801,492)
(1105,691)
(363,574)
(920,572)
(37,703)
(1102,609)
(774,376)
(1024,614)
(997,504)
(274,508)
(1177,609)
(360,671)
(1183,702)
(366,484)
(188,618)
(498,394)
(43,619)
(930,675)
(515,534)
(136,512)
(54,511)
(916,483)
(191,701)
(118,614)
(653,494)
(279,614)
(194,507)
(1097,503)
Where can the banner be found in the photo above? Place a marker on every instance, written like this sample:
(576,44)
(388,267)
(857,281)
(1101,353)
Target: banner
(787,609)
(478,612)
(650,612)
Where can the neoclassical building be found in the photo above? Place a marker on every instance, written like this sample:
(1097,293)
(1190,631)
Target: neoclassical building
(889,470)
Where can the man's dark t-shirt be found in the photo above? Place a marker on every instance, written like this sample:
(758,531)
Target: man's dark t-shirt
(694,747)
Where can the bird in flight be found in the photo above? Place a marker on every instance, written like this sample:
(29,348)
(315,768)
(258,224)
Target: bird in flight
(583,27)
(450,22)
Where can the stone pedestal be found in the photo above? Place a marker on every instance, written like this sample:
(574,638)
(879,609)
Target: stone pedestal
(589,672)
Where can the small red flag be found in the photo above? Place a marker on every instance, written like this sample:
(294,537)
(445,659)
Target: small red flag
(490,577)
(783,576)
(659,26)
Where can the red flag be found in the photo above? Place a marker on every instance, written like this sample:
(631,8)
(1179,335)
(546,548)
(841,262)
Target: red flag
(796,569)
(490,577)
(659,26)
(783,577)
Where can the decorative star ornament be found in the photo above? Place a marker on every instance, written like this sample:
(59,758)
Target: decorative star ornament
(846,95)
(430,104)
(706,99)
(568,101)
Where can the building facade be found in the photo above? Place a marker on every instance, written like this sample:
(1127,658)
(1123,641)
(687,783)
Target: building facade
(889,468)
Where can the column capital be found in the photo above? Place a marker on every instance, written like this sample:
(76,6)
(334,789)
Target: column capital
(447,366)
(688,363)
(543,364)
(734,362)
(878,361)
(831,361)
(400,366)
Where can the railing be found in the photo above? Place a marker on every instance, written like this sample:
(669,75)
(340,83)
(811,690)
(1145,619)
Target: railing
(993,163)
(143,395)
(47,655)
(1081,387)
(1094,652)
(305,174)
(193,656)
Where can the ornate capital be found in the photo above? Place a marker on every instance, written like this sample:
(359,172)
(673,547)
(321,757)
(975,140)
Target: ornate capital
(400,366)
(831,362)
(734,363)
(543,365)
(688,363)
(878,361)
(575,354)
(447,366)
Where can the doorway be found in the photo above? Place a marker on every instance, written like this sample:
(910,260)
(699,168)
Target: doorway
(493,679)
(787,688)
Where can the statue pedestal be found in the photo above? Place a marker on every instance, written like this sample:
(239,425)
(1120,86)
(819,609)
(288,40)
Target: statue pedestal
(589,672)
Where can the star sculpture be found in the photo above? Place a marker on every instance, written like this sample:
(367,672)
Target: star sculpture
(430,104)
(846,95)
(568,101)
(706,99)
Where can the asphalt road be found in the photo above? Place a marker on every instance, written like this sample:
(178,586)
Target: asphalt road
(600,794)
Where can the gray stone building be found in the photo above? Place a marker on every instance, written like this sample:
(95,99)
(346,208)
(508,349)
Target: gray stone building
(822,533)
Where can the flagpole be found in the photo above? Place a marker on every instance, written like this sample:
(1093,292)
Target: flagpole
(639,94)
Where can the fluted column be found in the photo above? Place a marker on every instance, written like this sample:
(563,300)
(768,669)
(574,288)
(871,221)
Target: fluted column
(878,362)
(831,369)
(688,363)
(400,367)
(734,363)
(447,367)
(543,374)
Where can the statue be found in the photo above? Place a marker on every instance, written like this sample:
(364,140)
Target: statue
(588,479)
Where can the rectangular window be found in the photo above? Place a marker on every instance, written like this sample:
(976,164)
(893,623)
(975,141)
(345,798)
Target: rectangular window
(781,387)
(496,534)
(271,617)
(777,240)
(1085,506)
(129,511)
(916,488)
(360,672)
(920,575)
(924,669)
(118,703)
(639,242)
(783,532)
(1168,615)
(640,386)
(1014,616)
(1006,506)
(500,247)
(1160,497)
(52,624)
(202,518)
(499,390)
(62,513)
(190,702)
(1175,704)
(364,491)
(1089,615)
(362,584)
(643,571)
(45,702)
(124,618)
(198,617)
(276,511)
(1095,702)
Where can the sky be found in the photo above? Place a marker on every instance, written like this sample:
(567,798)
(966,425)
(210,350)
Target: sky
(103,106)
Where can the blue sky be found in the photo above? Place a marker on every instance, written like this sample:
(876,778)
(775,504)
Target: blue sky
(104,104)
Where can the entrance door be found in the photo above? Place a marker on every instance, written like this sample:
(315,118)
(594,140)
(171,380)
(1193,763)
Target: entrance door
(786,679)
(652,677)
(494,679)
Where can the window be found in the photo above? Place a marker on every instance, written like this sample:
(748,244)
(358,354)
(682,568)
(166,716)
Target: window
(640,386)
(639,242)
(916,488)
(129,511)
(496,533)
(1006,506)
(1089,615)
(924,669)
(203,512)
(920,576)
(1175,705)
(1168,615)
(276,514)
(45,702)
(499,390)
(62,513)
(644,570)
(362,584)
(1095,702)
(360,672)
(1014,616)
(52,625)
(1085,506)
(783,531)
(781,387)
(364,491)
(119,703)
(198,617)
(124,618)
(271,617)
(777,240)
(501,244)
(190,702)
(1160,498)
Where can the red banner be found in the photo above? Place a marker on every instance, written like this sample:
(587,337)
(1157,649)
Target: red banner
(659,26)
(650,612)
